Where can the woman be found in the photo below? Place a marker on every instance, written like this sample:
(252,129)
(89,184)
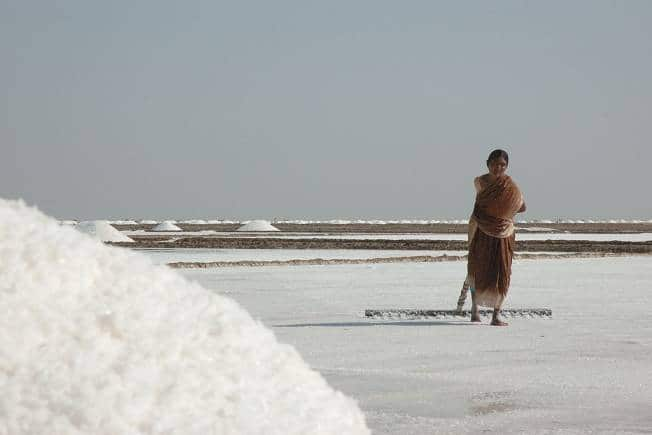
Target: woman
(491,238)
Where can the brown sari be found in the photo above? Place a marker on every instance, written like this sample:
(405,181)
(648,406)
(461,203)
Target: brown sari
(492,247)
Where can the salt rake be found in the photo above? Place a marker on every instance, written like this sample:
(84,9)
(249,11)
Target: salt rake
(403,313)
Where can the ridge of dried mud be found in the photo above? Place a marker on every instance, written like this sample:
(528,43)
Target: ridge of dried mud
(380,260)
(379,244)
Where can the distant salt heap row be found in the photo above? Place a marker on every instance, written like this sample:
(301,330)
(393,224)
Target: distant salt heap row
(251,226)
(97,340)
(105,232)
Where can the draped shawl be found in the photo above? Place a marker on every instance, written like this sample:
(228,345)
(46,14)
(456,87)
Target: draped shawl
(491,248)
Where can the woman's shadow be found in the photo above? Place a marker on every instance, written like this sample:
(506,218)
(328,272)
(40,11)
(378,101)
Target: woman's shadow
(377,323)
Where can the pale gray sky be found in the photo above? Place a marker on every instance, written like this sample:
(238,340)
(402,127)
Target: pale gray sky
(302,109)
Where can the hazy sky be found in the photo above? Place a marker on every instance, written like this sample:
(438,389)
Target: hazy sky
(376,109)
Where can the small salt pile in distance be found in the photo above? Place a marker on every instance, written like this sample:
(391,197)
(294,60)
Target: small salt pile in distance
(256,226)
(166,226)
(96,340)
(103,231)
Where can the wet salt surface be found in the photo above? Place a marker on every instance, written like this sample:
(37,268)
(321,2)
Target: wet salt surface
(589,368)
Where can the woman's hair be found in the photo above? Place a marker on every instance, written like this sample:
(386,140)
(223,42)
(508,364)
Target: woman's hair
(496,154)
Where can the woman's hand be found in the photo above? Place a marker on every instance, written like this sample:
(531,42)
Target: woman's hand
(522,209)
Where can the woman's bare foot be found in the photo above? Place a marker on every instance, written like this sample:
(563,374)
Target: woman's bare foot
(496,320)
(475,316)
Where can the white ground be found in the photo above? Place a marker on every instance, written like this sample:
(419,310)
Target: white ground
(588,369)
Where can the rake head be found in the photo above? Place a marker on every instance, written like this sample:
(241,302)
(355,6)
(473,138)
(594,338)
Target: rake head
(409,313)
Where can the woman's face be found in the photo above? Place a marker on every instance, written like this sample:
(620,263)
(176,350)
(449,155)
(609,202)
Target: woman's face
(497,167)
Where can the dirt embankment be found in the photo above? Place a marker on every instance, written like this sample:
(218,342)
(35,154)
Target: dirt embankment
(425,245)
(379,260)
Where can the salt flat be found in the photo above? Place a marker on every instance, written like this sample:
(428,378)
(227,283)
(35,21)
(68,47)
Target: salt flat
(588,369)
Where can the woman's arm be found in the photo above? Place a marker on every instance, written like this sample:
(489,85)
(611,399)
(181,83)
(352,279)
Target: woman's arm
(477,185)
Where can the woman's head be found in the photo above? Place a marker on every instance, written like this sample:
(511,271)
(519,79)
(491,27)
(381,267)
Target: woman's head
(497,162)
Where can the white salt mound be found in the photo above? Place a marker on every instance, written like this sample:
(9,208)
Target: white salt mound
(103,231)
(257,225)
(166,226)
(96,340)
